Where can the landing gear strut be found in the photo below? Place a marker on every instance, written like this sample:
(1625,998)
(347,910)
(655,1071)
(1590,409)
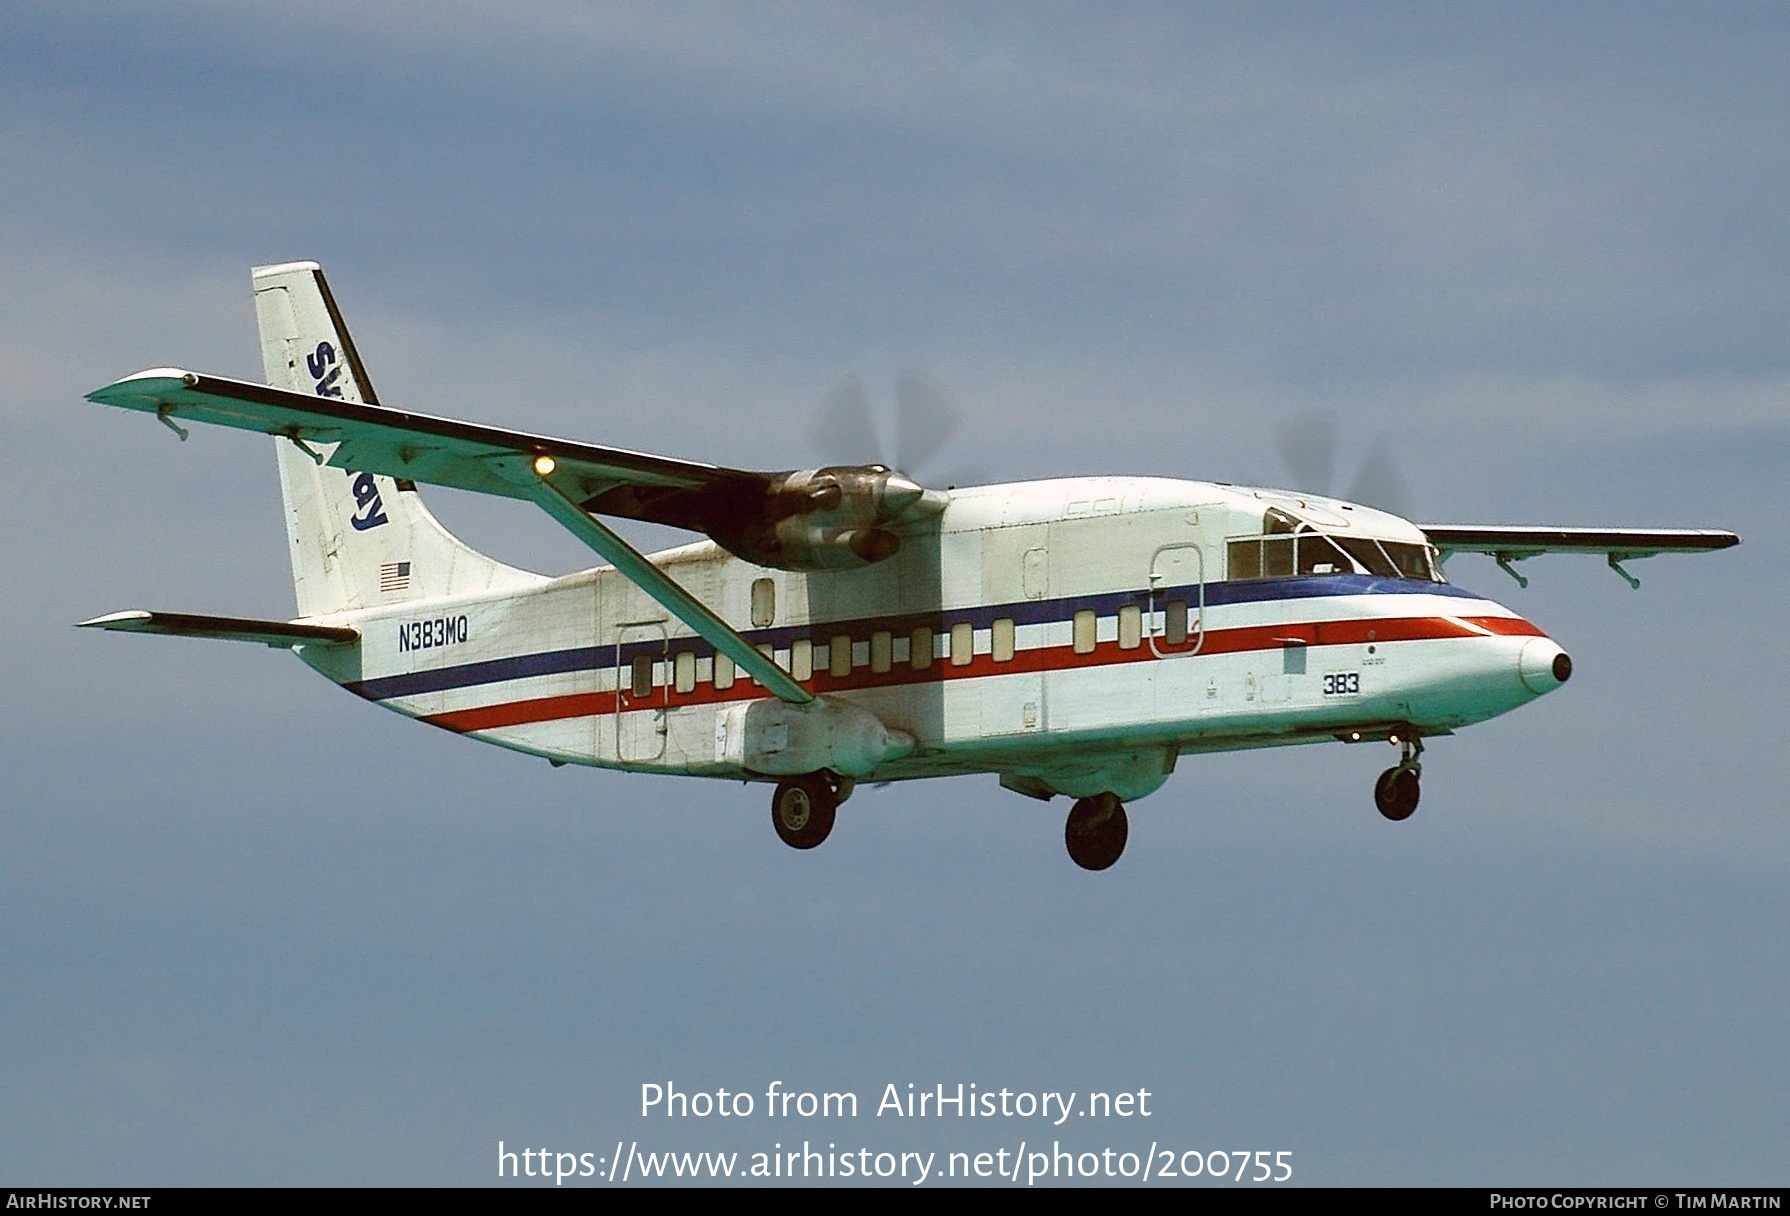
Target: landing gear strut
(802,809)
(1397,790)
(1096,832)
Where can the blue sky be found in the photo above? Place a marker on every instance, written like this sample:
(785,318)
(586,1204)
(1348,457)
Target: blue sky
(257,931)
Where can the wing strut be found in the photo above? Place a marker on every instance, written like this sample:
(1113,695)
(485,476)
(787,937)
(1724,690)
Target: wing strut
(635,567)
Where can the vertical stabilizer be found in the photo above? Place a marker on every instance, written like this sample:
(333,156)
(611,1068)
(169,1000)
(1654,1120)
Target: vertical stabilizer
(357,540)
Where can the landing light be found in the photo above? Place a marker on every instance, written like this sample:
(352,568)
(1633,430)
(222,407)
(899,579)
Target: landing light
(543,465)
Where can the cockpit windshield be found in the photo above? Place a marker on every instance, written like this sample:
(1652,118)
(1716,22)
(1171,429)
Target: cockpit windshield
(1279,555)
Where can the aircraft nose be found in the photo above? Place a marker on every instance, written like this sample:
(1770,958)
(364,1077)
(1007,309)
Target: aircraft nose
(1543,665)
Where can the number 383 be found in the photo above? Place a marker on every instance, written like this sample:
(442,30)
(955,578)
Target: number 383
(1342,684)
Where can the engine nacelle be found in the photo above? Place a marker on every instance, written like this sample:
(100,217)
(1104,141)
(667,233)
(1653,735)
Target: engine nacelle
(836,518)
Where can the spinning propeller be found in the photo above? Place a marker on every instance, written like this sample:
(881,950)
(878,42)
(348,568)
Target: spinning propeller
(1307,446)
(845,430)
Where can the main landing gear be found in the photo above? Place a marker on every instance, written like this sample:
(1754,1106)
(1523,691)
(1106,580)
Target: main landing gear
(1397,790)
(1096,831)
(802,808)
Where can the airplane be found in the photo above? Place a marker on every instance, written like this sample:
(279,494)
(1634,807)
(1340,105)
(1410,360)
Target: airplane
(844,624)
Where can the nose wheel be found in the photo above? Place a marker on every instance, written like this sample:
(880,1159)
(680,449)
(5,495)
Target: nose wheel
(1397,790)
(1096,832)
(802,810)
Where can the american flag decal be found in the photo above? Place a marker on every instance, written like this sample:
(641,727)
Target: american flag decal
(394,576)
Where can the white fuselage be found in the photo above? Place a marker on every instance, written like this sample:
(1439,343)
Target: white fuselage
(1075,636)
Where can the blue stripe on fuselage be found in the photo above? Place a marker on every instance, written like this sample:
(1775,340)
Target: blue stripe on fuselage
(1025,612)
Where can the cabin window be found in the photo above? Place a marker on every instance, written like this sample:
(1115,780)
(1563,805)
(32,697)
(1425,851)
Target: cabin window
(683,671)
(1001,639)
(1131,627)
(882,650)
(1082,631)
(840,655)
(640,680)
(963,644)
(764,602)
(723,672)
(801,658)
(1174,622)
(920,648)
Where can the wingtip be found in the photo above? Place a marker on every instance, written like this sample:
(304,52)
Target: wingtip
(145,383)
(129,618)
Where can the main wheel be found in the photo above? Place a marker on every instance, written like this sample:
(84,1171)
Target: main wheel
(802,810)
(1396,792)
(1096,832)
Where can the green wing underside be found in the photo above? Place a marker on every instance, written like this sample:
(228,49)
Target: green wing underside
(438,451)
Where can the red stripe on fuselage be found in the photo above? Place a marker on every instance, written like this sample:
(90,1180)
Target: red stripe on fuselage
(1042,658)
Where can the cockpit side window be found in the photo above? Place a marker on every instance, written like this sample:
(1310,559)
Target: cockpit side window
(1392,558)
(1283,556)
(1278,555)
(1318,554)
(1367,551)
(1412,561)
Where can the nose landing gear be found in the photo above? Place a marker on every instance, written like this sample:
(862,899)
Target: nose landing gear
(1397,790)
(1096,832)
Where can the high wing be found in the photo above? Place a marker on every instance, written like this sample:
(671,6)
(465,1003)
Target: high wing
(1513,544)
(447,452)
(567,479)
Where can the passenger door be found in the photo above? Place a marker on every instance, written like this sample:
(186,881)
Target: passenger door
(1015,583)
(1177,599)
(641,691)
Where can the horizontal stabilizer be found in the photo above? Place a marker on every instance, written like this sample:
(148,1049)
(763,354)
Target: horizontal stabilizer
(226,628)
